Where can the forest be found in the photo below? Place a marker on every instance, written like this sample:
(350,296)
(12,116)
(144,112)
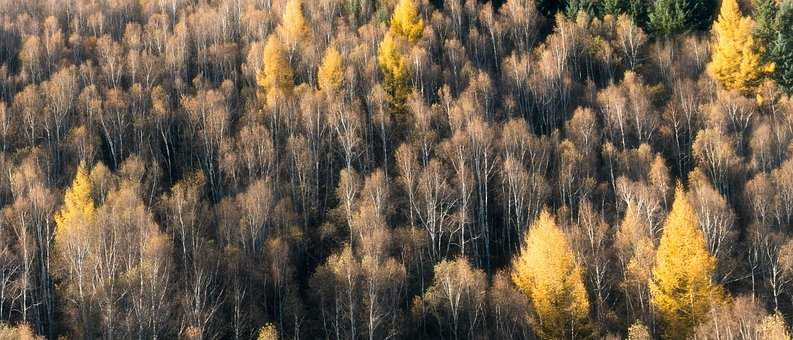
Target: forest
(396,169)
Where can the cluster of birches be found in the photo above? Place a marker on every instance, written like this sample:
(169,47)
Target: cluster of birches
(396,169)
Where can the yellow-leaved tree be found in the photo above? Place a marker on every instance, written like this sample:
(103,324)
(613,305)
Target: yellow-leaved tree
(547,272)
(405,30)
(392,63)
(736,61)
(275,77)
(406,22)
(293,28)
(331,72)
(78,210)
(75,229)
(682,287)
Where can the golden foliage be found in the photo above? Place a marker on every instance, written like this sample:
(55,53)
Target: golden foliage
(391,60)
(275,77)
(773,327)
(638,331)
(547,272)
(293,26)
(331,73)
(78,209)
(406,22)
(268,332)
(736,62)
(405,30)
(19,332)
(392,64)
(682,289)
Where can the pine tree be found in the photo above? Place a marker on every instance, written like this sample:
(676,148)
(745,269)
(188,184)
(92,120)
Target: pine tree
(547,272)
(275,77)
(781,50)
(682,288)
(667,17)
(736,62)
(331,72)
(765,21)
(78,209)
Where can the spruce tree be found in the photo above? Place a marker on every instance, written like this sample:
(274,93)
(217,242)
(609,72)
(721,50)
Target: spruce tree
(781,50)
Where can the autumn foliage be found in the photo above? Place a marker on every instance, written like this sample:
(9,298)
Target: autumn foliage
(396,169)
(682,288)
(548,273)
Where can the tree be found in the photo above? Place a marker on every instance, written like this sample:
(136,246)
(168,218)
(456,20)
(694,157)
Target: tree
(78,207)
(457,297)
(765,14)
(74,226)
(293,28)
(682,287)
(392,64)
(331,73)
(406,22)
(780,51)
(405,30)
(547,271)
(745,318)
(736,61)
(668,17)
(275,77)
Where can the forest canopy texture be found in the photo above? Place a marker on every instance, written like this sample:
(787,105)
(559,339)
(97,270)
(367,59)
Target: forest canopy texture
(396,169)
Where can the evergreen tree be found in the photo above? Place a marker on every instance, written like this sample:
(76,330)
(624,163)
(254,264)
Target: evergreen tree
(736,61)
(547,272)
(669,17)
(765,28)
(682,288)
(781,50)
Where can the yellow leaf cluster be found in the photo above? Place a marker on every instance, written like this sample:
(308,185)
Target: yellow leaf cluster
(682,289)
(78,210)
(773,327)
(406,22)
(331,71)
(405,30)
(547,272)
(293,24)
(638,331)
(390,58)
(275,77)
(268,332)
(736,62)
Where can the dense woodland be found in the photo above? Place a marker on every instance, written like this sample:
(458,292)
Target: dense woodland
(396,169)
